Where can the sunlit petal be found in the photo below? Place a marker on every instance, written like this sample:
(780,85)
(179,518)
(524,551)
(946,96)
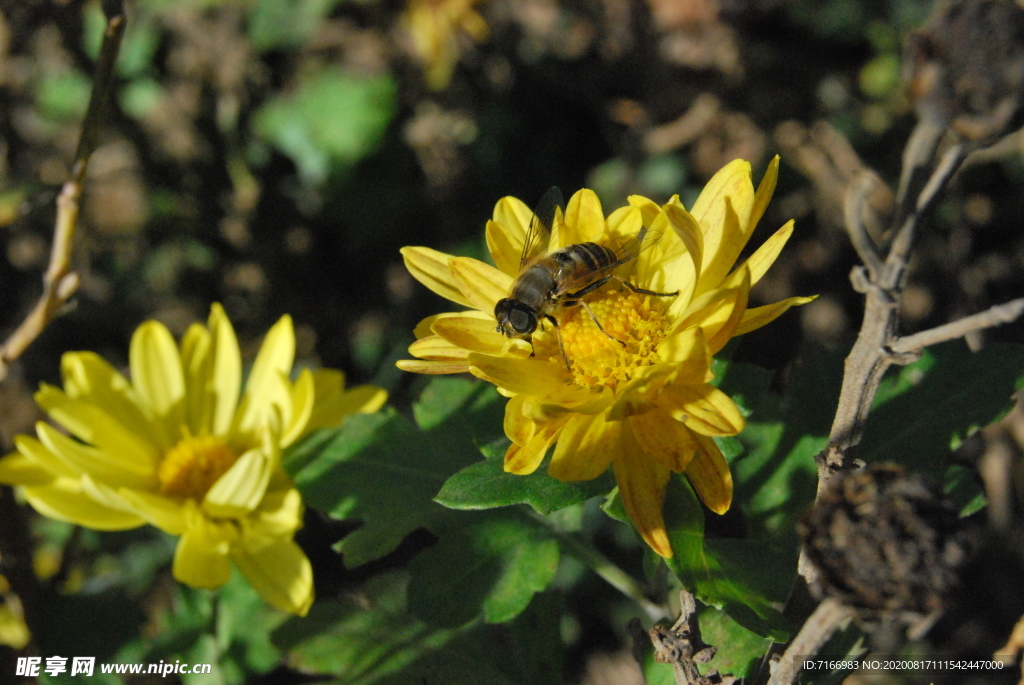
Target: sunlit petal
(642,489)
(430,268)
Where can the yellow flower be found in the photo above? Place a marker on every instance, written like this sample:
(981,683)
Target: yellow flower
(641,403)
(434,27)
(178,448)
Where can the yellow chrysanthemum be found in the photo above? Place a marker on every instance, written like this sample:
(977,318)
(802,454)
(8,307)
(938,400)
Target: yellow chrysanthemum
(434,27)
(641,403)
(179,448)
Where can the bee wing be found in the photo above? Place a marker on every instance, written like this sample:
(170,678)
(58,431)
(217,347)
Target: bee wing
(639,242)
(547,217)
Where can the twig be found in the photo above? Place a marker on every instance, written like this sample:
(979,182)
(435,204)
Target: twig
(683,648)
(816,631)
(59,281)
(994,316)
(853,211)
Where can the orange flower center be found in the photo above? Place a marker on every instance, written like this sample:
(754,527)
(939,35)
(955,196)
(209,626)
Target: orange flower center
(190,468)
(636,322)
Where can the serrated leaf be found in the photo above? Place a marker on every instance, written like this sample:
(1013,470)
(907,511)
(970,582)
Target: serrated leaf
(493,563)
(485,485)
(945,396)
(381,469)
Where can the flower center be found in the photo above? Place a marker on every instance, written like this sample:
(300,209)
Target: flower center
(191,467)
(595,359)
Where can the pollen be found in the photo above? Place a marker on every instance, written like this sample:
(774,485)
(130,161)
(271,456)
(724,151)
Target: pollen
(633,325)
(190,468)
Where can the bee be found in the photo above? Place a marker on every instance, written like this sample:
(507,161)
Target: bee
(549,282)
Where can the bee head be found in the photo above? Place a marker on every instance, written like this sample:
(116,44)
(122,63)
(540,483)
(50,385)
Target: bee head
(515,319)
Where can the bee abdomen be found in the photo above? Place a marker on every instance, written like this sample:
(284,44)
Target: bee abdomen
(592,255)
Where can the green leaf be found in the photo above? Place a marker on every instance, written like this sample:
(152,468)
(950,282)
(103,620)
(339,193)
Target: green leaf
(739,650)
(360,639)
(285,23)
(485,485)
(334,118)
(381,469)
(945,396)
(742,577)
(494,562)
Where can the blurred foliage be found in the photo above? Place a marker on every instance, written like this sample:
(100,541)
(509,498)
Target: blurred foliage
(273,155)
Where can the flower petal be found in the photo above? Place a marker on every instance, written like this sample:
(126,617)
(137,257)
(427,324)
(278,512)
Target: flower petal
(225,380)
(37,453)
(163,512)
(430,268)
(542,379)
(332,403)
(112,468)
(471,333)
(240,490)
(93,425)
(720,326)
(514,217)
(765,190)
(88,376)
(664,438)
(280,573)
(482,284)
(302,407)
(585,447)
(764,257)
(156,371)
(760,316)
(642,489)
(64,500)
(709,474)
(17,469)
(703,408)
(432,367)
(434,347)
(267,385)
(584,220)
(525,459)
(506,250)
(201,558)
(519,427)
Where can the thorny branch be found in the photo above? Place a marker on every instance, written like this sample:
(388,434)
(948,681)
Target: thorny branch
(59,281)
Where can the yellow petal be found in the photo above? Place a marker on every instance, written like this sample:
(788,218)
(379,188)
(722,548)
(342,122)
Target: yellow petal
(430,268)
(542,379)
(765,190)
(225,381)
(434,347)
(432,367)
(195,361)
(703,408)
(267,385)
(201,559)
(332,403)
(764,257)
(280,573)
(585,447)
(17,469)
(720,327)
(519,427)
(156,370)
(688,351)
(649,209)
(709,474)
(623,224)
(525,459)
(642,489)
(240,490)
(759,316)
(719,258)
(112,468)
(302,407)
(506,250)
(471,333)
(734,179)
(87,376)
(686,228)
(64,500)
(279,515)
(664,438)
(584,220)
(482,284)
(93,425)
(514,217)
(163,512)
(37,453)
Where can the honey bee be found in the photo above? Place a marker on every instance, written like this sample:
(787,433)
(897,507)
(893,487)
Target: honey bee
(549,282)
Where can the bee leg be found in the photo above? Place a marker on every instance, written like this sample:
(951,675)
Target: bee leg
(558,334)
(572,297)
(599,326)
(642,291)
